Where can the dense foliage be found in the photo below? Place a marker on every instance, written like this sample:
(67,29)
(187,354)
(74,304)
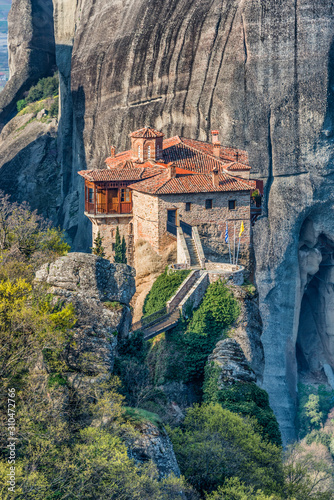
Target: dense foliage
(163,289)
(218,310)
(120,249)
(244,398)
(98,248)
(72,439)
(46,87)
(214,444)
(313,408)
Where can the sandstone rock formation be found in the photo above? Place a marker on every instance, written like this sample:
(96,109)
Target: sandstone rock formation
(154,444)
(247,330)
(94,286)
(31,47)
(262,73)
(229,356)
(30,169)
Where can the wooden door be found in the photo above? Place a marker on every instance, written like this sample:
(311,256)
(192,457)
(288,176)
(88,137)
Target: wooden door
(113,200)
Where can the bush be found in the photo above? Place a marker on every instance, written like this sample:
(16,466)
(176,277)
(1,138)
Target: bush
(21,105)
(246,399)
(313,407)
(218,310)
(46,87)
(215,444)
(163,289)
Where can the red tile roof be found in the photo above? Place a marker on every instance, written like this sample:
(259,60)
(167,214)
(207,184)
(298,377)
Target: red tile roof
(119,174)
(196,183)
(147,132)
(237,167)
(193,161)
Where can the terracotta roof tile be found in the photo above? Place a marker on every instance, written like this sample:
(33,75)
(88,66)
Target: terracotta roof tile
(196,183)
(237,167)
(147,132)
(119,174)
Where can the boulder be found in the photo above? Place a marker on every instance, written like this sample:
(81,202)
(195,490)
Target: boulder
(229,356)
(89,277)
(154,444)
(100,293)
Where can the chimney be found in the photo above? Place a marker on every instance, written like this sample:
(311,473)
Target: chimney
(216,149)
(215,136)
(112,151)
(215,177)
(171,170)
(237,156)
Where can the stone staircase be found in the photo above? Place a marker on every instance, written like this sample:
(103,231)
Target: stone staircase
(194,260)
(168,317)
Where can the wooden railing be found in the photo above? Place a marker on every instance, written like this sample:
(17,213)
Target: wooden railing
(102,208)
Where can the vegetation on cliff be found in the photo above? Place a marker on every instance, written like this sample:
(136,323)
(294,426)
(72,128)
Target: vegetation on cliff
(45,88)
(163,289)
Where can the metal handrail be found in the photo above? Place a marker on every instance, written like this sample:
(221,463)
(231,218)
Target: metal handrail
(157,316)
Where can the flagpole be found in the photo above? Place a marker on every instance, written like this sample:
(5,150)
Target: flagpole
(229,251)
(234,246)
(238,251)
(227,240)
(240,233)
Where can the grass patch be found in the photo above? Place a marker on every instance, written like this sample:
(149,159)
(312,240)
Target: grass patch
(139,416)
(113,306)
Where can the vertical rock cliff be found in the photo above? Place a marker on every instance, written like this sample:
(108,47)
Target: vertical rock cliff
(261,71)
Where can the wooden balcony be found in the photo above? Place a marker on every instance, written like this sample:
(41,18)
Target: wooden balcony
(103,202)
(100,209)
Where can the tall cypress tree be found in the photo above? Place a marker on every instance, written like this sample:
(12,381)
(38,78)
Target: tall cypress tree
(124,259)
(98,248)
(118,248)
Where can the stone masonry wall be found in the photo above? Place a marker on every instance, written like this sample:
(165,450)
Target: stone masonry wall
(146,218)
(107,228)
(211,223)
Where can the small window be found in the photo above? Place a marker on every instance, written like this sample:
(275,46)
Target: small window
(158,151)
(231,204)
(208,204)
(91,195)
(149,152)
(113,247)
(188,206)
(125,195)
(139,153)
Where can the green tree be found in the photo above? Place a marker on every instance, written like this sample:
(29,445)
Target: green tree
(234,489)
(312,408)
(123,248)
(215,444)
(21,105)
(118,257)
(244,398)
(98,248)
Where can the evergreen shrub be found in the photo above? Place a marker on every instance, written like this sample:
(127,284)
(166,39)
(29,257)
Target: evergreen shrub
(163,289)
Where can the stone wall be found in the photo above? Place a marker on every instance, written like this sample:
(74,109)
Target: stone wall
(107,228)
(195,295)
(146,219)
(183,256)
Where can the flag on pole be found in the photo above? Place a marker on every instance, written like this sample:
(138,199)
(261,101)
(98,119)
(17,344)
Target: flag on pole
(227,240)
(242,228)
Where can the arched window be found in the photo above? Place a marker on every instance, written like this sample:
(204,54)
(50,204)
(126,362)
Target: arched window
(139,152)
(149,152)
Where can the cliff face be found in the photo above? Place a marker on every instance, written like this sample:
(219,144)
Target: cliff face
(31,48)
(261,71)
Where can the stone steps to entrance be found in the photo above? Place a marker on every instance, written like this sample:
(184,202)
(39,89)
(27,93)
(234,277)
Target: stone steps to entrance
(194,260)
